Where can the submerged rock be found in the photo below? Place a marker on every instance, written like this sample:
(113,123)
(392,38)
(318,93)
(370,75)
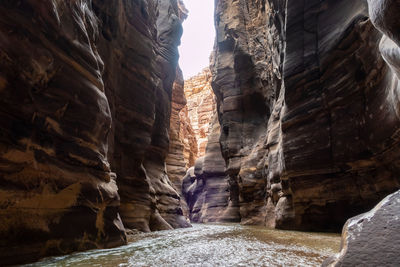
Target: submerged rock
(372,238)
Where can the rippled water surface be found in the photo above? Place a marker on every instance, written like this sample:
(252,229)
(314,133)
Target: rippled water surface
(211,245)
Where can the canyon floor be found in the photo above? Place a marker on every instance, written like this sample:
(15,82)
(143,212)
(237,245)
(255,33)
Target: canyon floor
(210,245)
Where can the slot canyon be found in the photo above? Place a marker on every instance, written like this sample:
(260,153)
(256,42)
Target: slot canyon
(291,135)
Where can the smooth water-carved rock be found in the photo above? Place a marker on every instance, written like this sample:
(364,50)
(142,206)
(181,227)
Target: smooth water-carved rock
(175,161)
(57,190)
(372,238)
(206,185)
(85,92)
(139,47)
(308,109)
(247,71)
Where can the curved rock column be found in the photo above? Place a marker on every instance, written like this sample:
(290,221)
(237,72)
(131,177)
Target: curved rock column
(141,56)
(247,73)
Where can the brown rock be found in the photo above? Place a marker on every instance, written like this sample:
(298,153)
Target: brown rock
(57,190)
(85,92)
(373,238)
(206,186)
(176,165)
(308,109)
(145,38)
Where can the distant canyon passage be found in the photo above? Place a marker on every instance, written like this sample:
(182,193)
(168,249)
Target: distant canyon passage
(99,136)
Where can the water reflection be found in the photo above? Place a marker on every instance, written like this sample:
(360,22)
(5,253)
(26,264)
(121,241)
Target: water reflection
(211,245)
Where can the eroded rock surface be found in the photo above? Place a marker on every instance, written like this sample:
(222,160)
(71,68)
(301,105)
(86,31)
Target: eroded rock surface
(144,38)
(373,238)
(206,185)
(200,107)
(85,92)
(175,161)
(308,109)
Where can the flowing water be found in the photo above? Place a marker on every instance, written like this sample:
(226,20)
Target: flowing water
(210,245)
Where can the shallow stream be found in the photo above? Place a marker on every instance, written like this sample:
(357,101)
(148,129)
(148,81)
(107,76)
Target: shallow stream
(210,245)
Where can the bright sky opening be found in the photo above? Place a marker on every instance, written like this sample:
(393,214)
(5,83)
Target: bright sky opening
(198,37)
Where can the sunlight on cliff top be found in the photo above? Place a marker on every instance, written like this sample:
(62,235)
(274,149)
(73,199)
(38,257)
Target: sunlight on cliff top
(198,37)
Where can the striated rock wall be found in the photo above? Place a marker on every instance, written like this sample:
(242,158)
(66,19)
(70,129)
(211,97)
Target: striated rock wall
(308,110)
(85,92)
(57,189)
(206,185)
(175,161)
(247,78)
(200,107)
(140,53)
(379,228)
(188,138)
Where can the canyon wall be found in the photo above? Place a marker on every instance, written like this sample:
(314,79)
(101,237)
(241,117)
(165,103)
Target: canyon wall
(179,147)
(308,110)
(85,92)
(201,107)
(206,185)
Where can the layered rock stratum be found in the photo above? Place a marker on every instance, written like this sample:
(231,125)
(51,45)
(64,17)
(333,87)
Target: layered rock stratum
(85,92)
(308,107)
(201,107)
(206,186)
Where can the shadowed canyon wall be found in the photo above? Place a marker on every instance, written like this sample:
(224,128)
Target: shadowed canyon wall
(308,110)
(206,186)
(85,92)
(193,109)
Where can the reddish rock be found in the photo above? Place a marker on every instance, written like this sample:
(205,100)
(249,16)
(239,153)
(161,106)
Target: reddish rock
(200,107)
(176,164)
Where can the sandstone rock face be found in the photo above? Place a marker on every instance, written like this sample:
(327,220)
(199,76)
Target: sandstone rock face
(57,190)
(176,164)
(373,238)
(206,185)
(188,138)
(85,92)
(200,107)
(145,39)
(189,133)
(308,109)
